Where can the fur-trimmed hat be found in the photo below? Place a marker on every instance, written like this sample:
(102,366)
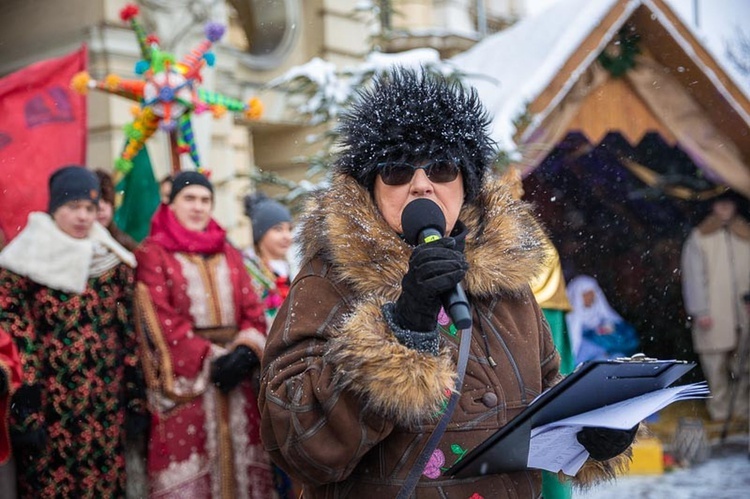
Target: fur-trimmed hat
(72,183)
(414,116)
(264,213)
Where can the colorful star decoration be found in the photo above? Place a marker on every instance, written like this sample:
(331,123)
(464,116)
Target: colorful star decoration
(168,94)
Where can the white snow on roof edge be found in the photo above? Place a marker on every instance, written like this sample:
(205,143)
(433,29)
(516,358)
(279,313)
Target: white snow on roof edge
(508,78)
(549,39)
(710,74)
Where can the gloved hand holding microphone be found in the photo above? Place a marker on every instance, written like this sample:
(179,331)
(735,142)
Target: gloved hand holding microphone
(436,268)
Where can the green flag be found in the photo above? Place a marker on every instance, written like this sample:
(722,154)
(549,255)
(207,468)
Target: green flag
(140,198)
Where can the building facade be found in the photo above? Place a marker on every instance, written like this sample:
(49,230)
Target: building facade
(264,40)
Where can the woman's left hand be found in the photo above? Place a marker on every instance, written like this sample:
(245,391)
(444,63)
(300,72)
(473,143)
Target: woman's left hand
(605,443)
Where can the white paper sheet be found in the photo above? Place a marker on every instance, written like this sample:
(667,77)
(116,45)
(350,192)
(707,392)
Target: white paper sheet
(554,446)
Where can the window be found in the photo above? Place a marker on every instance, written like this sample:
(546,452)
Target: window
(270,28)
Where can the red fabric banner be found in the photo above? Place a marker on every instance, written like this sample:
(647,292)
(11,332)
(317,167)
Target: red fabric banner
(42,127)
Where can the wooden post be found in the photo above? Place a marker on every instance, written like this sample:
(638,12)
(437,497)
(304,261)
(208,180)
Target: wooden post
(174,150)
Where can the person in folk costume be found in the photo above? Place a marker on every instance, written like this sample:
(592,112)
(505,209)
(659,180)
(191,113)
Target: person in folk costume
(715,276)
(270,272)
(266,260)
(135,450)
(361,358)
(595,329)
(202,332)
(106,215)
(10,380)
(66,290)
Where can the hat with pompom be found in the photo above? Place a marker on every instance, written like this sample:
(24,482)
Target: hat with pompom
(415,116)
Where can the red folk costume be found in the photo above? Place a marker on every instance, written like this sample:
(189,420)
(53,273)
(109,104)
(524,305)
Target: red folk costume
(10,364)
(194,304)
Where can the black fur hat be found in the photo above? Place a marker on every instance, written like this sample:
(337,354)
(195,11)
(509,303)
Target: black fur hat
(415,116)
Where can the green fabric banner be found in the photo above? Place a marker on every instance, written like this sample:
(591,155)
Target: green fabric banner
(140,198)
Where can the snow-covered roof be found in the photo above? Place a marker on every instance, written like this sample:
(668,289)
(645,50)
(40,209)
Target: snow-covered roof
(511,68)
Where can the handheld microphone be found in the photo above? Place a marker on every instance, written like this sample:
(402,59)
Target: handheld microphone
(423,222)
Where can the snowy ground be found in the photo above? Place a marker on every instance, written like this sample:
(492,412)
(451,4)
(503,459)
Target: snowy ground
(725,476)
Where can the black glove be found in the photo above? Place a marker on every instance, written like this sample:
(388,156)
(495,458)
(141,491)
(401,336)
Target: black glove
(30,441)
(136,424)
(434,269)
(3,383)
(229,370)
(605,443)
(26,402)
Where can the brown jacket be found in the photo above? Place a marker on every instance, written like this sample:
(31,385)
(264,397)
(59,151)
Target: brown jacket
(346,408)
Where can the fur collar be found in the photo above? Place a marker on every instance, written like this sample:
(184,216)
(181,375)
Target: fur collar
(48,256)
(504,246)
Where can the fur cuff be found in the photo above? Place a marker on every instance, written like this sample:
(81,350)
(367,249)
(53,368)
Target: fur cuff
(398,383)
(428,342)
(594,472)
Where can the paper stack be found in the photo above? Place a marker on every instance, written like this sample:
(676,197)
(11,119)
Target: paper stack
(554,446)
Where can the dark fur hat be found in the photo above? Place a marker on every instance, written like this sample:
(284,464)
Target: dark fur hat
(415,116)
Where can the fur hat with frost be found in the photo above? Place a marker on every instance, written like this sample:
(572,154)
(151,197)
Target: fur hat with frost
(412,117)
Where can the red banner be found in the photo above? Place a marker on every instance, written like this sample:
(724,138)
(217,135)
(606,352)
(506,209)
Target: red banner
(42,127)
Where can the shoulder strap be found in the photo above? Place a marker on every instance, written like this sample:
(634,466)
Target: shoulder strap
(413,477)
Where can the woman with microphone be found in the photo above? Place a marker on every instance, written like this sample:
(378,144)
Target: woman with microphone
(367,389)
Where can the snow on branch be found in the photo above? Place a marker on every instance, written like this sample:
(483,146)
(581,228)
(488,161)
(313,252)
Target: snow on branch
(323,90)
(319,92)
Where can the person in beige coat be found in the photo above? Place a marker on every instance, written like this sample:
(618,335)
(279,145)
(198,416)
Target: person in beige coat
(715,276)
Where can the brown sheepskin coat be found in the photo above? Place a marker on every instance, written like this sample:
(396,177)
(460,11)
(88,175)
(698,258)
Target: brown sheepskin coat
(346,408)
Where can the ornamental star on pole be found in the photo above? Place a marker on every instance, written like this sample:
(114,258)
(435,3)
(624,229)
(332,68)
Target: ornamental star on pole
(168,94)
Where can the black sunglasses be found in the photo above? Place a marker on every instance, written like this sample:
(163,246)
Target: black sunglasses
(440,171)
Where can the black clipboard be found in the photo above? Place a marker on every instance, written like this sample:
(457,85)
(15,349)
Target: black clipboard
(592,385)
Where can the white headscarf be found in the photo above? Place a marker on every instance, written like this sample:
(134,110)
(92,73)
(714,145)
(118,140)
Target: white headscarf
(582,317)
